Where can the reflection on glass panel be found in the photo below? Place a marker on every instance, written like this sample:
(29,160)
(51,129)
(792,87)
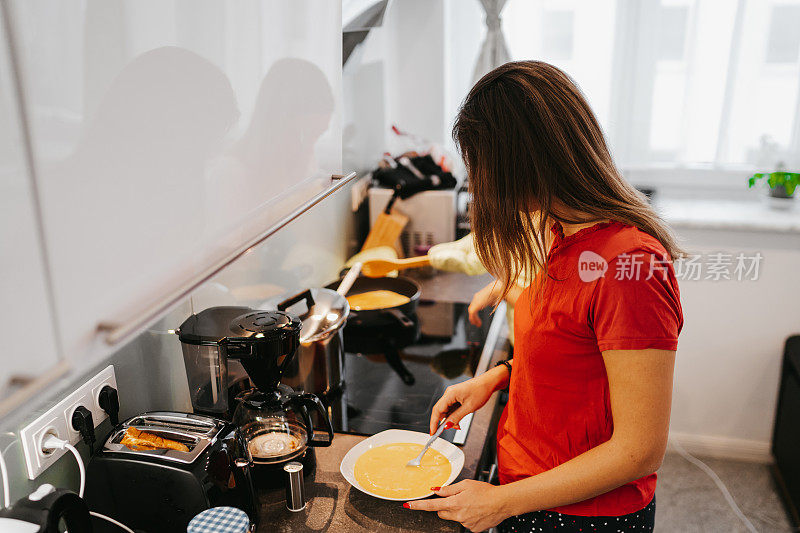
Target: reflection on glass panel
(26,323)
(176,132)
(309,252)
(265,161)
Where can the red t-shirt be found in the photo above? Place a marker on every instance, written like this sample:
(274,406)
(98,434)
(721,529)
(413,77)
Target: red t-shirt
(559,397)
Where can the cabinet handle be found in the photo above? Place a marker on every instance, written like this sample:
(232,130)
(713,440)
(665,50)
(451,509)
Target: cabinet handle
(116,332)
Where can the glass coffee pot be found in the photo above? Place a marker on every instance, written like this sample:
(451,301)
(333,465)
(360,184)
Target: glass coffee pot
(278,425)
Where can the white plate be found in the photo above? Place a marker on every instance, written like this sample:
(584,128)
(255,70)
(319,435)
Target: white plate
(391,436)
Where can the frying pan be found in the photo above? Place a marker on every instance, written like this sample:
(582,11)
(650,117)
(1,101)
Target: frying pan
(398,314)
(386,329)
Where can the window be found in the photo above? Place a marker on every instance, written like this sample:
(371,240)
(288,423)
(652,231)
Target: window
(575,35)
(701,84)
(783,41)
(557,34)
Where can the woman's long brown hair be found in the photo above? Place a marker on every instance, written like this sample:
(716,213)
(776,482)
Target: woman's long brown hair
(534,152)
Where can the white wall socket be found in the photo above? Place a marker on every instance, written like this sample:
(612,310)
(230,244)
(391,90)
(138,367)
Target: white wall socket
(58,420)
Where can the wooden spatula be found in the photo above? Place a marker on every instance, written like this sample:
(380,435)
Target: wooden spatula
(387,228)
(377,268)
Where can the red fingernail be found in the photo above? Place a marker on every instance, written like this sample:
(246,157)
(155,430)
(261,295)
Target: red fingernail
(448,425)
(406,505)
(456,427)
(436,489)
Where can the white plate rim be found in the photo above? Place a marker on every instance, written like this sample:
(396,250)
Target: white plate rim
(453,453)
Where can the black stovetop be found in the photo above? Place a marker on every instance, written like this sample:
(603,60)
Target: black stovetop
(377,398)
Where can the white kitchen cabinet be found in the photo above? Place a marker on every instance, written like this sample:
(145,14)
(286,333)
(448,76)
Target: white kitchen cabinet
(27,327)
(165,134)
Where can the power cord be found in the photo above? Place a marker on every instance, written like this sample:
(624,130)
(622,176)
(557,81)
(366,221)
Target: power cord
(51,442)
(774,523)
(717,481)
(54,443)
(81,467)
(109,519)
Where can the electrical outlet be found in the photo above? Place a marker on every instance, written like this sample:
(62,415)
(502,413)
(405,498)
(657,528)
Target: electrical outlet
(106,377)
(84,400)
(58,420)
(33,446)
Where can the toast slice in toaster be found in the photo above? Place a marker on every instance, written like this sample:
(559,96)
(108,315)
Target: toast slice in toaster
(142,440)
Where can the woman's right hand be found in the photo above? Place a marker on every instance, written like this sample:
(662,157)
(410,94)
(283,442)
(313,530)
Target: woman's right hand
(461,399)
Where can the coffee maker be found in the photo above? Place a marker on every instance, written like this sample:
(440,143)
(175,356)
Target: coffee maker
(276,422)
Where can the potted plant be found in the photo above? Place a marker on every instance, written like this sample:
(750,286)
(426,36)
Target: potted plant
(782,184)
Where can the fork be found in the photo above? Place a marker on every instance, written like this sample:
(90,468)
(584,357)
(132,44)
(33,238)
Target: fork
(418,459)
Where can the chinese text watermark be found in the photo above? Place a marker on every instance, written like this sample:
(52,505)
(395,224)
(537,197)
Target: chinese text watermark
(717,266)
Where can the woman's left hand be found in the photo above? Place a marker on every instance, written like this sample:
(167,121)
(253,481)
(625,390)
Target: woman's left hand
(477,505)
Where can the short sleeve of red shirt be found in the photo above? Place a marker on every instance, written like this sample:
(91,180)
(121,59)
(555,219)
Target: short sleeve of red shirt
(636,305)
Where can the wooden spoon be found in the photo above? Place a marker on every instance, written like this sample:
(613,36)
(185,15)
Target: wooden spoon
(377,268)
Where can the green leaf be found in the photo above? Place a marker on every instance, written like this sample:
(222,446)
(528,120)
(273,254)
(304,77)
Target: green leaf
(790,180)
(773,180)
(755,177)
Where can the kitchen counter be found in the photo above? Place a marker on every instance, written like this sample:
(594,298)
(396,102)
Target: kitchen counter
(333,505)
(731,215)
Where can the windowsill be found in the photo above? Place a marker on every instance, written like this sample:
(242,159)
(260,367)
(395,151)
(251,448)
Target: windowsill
(729,215)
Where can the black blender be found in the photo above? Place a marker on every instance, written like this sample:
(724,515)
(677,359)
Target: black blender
(276,422)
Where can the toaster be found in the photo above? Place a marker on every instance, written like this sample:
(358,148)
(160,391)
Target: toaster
(161,490)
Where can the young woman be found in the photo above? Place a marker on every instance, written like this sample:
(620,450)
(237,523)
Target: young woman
(596,331)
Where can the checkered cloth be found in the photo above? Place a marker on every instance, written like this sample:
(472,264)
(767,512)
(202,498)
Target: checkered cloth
(220,520)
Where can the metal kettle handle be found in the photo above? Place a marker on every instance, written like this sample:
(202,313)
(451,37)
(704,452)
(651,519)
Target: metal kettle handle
(305,295)
(306,401)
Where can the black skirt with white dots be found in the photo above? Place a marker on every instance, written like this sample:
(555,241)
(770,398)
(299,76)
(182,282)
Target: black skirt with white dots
(541,521)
